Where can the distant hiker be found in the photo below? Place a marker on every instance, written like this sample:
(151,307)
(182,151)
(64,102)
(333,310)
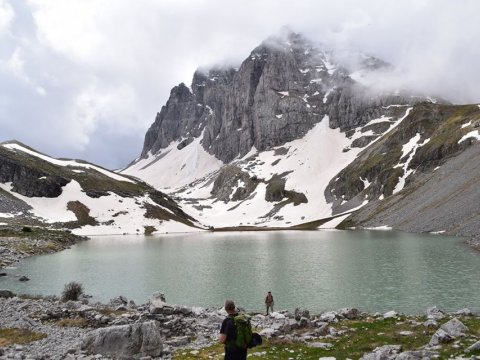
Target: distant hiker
(269,301)
(235,333)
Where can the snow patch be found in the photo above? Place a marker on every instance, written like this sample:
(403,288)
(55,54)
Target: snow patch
(466,124)
(279,116)
(7,215)
(381,119)
(325,98)
(366,183)
(410,148)
(331,68)
(390,106)
(178,167)
(332,224)
(384,227)
(472,134)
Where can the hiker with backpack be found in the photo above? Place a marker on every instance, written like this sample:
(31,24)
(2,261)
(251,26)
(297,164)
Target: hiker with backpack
(236,333)
(269,301)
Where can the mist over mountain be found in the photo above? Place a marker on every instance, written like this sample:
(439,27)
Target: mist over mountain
(94,74)
(297,135)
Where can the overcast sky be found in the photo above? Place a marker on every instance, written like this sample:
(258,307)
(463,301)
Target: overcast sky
(85,78)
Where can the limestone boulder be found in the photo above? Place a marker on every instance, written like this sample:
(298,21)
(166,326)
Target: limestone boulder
(125,341)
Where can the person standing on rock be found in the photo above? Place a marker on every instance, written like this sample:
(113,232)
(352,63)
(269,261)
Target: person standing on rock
(269,301)
(228,334)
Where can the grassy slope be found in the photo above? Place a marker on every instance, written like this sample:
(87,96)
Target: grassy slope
(360,337)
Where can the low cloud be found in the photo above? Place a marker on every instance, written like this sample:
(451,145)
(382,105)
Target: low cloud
(85,78)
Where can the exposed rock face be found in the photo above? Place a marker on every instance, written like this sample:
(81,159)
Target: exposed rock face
(233,184)
(29,181)
(125,341)
(278,93)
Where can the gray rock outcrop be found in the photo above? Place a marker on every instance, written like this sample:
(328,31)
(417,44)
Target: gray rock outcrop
(455,328)
(125,341)
(27,180)
(449,331)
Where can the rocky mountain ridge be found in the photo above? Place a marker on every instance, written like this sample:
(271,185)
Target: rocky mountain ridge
(38,190)
(290,139)
(277,94)
(294,137)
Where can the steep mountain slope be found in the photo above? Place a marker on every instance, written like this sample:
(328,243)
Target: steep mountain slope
(259,144)
(39,190)
(426,174)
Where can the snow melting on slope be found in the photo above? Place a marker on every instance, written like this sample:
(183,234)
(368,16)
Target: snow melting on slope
(472,134)
(409,149)
(466,124)
(18,147)
(173,168)
(312,162)
(129,215)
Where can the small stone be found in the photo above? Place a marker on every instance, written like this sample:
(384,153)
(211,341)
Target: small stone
(464,312)
(23,278)
(406,333)
(473,347)
(430,323)
(435,313)
(390,314)
(320,345)
(440,337)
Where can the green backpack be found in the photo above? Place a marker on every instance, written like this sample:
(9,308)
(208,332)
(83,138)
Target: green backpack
(243,331)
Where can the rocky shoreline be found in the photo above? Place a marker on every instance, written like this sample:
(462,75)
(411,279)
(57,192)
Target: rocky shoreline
(20,242)
(158,330)
(474,243)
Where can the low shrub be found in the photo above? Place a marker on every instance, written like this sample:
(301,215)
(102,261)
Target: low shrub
(72,291)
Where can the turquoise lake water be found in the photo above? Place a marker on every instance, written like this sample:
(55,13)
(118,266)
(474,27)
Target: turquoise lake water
(318,270)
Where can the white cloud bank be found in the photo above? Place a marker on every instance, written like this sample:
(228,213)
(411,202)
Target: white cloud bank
(85,78)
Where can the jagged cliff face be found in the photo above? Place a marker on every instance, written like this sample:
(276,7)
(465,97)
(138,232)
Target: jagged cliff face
(277,94)
(293,138)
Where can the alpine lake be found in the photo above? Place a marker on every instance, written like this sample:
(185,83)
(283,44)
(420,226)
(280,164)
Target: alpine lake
(374,271)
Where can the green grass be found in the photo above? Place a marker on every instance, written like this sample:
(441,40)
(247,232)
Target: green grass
(362,336)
